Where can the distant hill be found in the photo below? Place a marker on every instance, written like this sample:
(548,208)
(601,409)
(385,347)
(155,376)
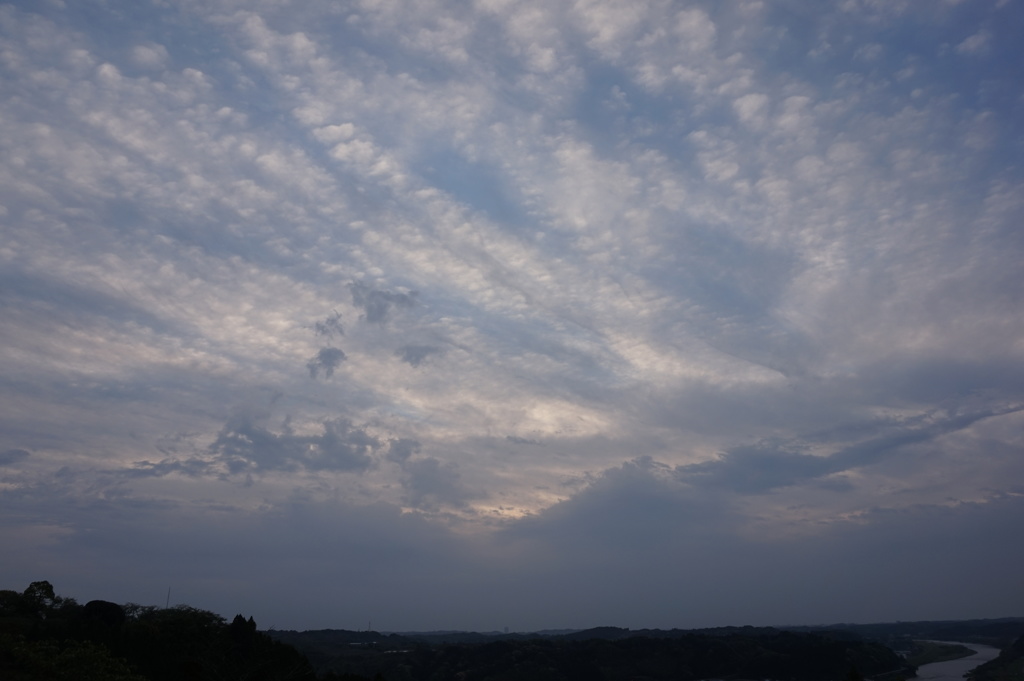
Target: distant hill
(603,653)
(998,633)
(819,653)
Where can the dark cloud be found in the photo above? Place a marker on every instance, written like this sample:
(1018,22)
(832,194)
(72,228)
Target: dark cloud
(417,354)
(637,503)
(401,450)
(522,440)
(377,304)
(341,447)
(244,446)
(330,326)
(940,379)
(757,468)
(192,467)
(12,456)
(921,429)
(754,469)
(431,484)
(327,360)
(654,548)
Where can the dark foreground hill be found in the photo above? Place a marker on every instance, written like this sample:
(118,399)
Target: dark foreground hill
(45,637)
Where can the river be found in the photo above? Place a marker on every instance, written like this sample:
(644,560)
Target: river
(954,670)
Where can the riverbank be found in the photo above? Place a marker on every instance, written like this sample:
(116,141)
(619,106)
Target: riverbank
(1008,666)
(930,652)
(955,670)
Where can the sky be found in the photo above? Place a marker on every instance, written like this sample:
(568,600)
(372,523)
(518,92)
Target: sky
(474,314)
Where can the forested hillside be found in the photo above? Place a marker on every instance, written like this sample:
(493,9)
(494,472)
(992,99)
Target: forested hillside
(48,637)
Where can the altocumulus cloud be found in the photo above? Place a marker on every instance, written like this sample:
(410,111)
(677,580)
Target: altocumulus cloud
(667,314)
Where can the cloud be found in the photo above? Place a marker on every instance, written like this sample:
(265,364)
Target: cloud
(772,294)
(193,467)
(326,360)
(330,326)
(655,550)
(975,44)
(640,529)
(151,56)
(244,446)
(417,354)
(402,449)
(13,456)
(431,484)
(759,468)
(516,440)
(377,304)
(750,108)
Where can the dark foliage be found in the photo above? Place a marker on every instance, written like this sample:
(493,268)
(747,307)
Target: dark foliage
(44,636)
